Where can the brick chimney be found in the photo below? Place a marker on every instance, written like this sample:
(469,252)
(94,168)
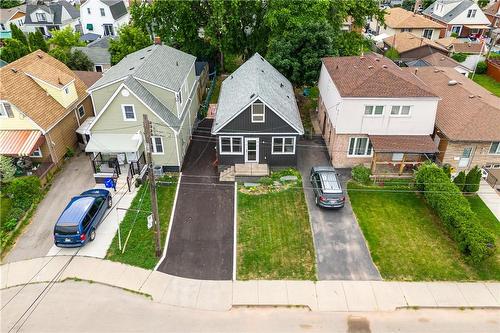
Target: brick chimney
(157,40)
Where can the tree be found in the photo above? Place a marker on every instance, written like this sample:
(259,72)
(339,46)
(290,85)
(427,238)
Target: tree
(483,3)
(472,180)
(392,54)
(130,39)
(13,50)
(18,34)
(79,61)
(7,169)
(297,54)
(9,3)
(37,42)
(408,5)
(460,180)
(65,38)
(60,54)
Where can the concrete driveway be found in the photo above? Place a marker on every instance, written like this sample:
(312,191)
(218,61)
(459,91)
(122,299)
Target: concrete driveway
(201,237)
(37,239)
(341,250)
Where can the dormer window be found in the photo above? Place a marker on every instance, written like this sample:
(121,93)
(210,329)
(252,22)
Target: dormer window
(258,113)
(66,90)
(41,17)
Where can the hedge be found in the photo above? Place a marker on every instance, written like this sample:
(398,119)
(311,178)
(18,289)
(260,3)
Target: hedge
(361,174)
(454,210)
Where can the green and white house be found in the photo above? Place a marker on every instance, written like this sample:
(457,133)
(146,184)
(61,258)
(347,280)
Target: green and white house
(158,81)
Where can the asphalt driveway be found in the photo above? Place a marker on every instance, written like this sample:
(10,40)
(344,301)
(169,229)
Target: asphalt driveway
(201,237)
(341,250)
(37,238)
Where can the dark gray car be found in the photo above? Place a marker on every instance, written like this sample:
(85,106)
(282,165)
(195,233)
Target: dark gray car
(327,190)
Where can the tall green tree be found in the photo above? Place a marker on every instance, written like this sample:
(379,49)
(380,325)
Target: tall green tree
(60,54)
(18,34)
(13,50)
(65,38)
(9,3)
(37,42)
(79,61)
(130,39)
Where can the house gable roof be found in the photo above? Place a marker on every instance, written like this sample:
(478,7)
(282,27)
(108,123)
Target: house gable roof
(54,9)
(453,13)
(466,111)
(117,8)
(7,13)
(373,75)
(398,18)
(159,64)
(406,41)
(257,79)
(30,98)
(98,55)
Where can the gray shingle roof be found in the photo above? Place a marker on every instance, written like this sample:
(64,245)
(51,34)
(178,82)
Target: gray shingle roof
(159,64)
(101,42)
(152,102)
(98,55)
(451,14)
(117,8)
(259,78)
(7,13)
(54,9)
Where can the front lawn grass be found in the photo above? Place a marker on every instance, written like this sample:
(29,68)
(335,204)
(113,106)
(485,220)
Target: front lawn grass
(490,268)
(274,236)
(5,206)
(407,240)
(488,83)
(140,249)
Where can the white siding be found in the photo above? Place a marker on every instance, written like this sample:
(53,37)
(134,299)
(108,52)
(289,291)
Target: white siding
(97,20)
(480,18)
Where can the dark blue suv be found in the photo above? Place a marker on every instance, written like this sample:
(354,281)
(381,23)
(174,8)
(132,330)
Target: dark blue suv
(81,217)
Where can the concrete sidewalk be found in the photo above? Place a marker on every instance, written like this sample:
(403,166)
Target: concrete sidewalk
(223,295)
(490,197)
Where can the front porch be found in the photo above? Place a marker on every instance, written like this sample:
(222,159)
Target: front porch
(398,156)
(244,171)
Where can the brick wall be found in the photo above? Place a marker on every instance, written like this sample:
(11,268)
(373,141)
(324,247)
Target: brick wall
(494,69)
(480,154)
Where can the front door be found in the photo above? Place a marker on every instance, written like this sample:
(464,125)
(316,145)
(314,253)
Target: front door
(251,150)
(465,158)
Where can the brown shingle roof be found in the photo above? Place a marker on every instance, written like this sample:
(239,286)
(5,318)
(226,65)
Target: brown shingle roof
(88,77)
(22,91)
(406,41)
(422,144)
(399,18)
(492,9)
(373,76)
(440,60)
(466,111)
(467,47)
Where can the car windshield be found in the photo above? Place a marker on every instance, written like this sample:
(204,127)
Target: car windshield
(66,229)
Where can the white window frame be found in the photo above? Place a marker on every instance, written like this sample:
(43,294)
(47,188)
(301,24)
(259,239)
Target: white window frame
(459,29)
(400,110)
(124,114)
(37,153)
(263,113)
(232,152)
(471,13)
(41,15)
(153,145)
(81,107)
(497,151)
(283,152)
(102,11)
(66,90)
(356,138)
(3,111)
(372,114)
(426,30)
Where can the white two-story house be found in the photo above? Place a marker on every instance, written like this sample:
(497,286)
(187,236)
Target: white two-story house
(52,16)
(103,17)
(462,17)
(371,112)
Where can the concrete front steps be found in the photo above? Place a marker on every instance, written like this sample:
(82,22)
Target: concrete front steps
(335,296)
(244,170)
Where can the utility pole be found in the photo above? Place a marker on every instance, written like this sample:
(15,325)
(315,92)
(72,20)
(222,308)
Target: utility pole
(152,185)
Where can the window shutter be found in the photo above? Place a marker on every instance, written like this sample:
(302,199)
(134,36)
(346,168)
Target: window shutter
(8,109)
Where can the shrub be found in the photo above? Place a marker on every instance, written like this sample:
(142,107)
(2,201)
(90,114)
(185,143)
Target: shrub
(460,180)
(392,54)
(24,191)
(481,67)
(7,169)
(266,181)
(460,57)
(70,152)
(361,174)
(454,210)
(447,170)
(13,219)
(454,34)
(472,180)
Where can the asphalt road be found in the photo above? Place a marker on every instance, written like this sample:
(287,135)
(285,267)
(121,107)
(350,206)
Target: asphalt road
(85,307)
(341,250)
(37,239)
(201,240)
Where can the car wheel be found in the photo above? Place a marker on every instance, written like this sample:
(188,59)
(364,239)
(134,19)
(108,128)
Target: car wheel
(92,235)
(110,202)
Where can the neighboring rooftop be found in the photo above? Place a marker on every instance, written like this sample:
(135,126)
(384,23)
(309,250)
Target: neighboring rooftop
(7,13)
(98,55)
(117,8)
(406,41)
(101,42)
(455,45)
(257,79)
(400,18)
(55,9)
(440,60)
(466,110)
(88,77)
(493,9)
(452,14)
(29,97)
(373,75)
(158,64)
